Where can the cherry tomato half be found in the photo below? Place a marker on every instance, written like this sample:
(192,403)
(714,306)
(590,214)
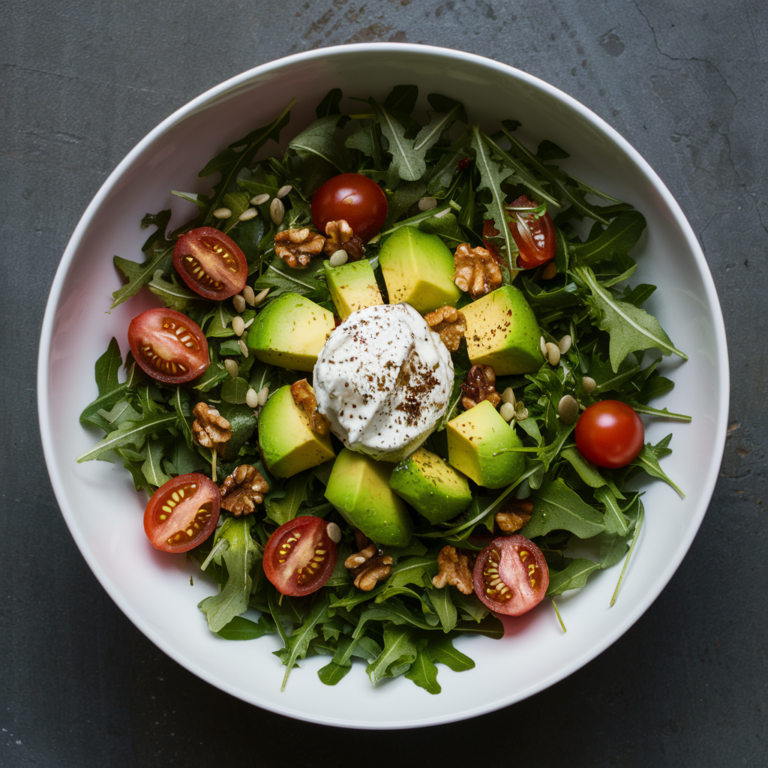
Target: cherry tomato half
(300,557)
(511,575)
(182,513)
(610,434)
(535,238)
(210,263)
(168,345)
(358,200)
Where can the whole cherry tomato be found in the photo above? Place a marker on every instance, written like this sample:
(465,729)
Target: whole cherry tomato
(182,513)
(210,263)
(535,237)
(168,345)
(300,556)
(353,197)
(610,434)
(511,575)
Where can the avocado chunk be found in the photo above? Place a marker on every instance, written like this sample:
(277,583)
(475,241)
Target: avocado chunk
(286,442)
(359,490)
(476,446)
(352,286)
(430,485)
(418,270)
(502,331)
(290,332)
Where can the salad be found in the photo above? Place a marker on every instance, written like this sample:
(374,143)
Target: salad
(396,378)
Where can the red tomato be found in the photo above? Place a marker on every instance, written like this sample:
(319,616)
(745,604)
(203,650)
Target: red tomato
(353,197)
(610,434)
(511,575)
(182,513)
(535,238)
(168,345)
(210,263)
(300,557)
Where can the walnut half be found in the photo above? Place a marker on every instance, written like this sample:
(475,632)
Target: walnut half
(342,238)
(514,515)
(305,398)
(480,385)
(450,324)
(476,270)
(296,247)
(211,429)
(368,568)
(454,569)
(243,490)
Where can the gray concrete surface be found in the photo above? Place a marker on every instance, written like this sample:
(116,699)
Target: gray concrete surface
(81,81)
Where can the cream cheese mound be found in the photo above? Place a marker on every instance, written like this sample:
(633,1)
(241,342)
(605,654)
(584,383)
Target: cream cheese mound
(383,380)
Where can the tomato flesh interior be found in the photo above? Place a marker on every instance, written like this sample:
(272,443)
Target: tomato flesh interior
(209,262)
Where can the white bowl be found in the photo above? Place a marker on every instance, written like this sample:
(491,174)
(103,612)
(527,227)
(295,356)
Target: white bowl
(104,512)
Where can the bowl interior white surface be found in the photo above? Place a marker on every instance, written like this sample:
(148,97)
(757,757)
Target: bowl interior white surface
(104,512)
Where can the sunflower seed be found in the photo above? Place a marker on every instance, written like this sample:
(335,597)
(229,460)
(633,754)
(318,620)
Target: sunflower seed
(243,348)
(238,325)
(334,532)
(222,213)
(507,411)
(232,368)
(249,323)
(567,409)
(277,211)
(553,353)
(589,384)
(259,199)
(248,295)
(442,213)
(508,396)
(283,191)
(260,296)
(263,395)
(427,203)
(252,398)
(565,344)
(248,214)
(338,258)
(239,303)
(543,347)
(521,412)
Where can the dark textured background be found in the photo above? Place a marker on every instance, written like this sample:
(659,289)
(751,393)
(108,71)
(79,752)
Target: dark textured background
(683,80)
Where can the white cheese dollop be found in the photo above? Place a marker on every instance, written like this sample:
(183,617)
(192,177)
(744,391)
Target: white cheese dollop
(383,380)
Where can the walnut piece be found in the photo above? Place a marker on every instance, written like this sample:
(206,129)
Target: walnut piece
(243,490)
(450,324)
(342,238)
(454,569)
(480,385)
(476,270)
(210,428)
(368,568)
(305,398)
(514,515)
(296,247)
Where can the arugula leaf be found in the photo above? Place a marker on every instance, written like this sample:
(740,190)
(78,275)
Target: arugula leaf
(330,105)
(152,467)
(443,652)
(297,644)
(619,237)
(586,471)
(630,328)
(320,139)
(573,577)
(442,602)
(616,521)
(171,293)
(239,556)
(399,651)
(423,671)
(244,629)
(491,178)
(130,433)
(283,505)
(406,162)
(109,388)
(557,507)
(648,460)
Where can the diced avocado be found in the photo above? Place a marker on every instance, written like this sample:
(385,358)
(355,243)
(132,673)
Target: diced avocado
(359,489)
(477,443)
(290,332)
(430,485)
(502,332)
(286,442)
(352,286)
(418,270)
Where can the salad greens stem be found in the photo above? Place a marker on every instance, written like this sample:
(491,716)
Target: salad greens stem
(559,617)
(640,518)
